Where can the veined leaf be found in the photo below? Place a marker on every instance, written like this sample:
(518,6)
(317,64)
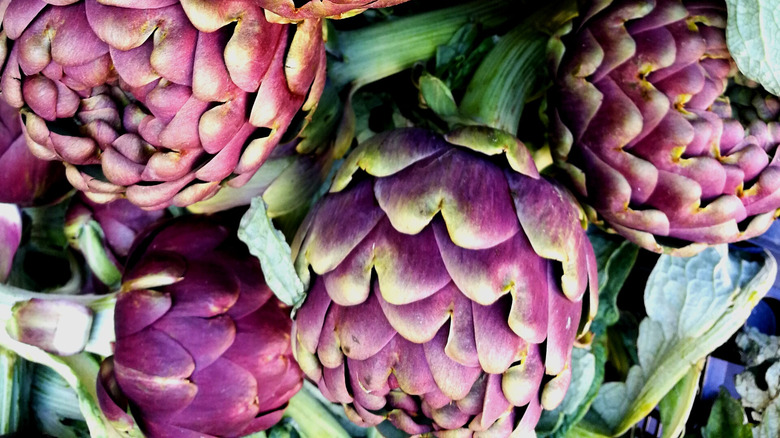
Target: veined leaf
(753,38)
(693,305)
(268,244)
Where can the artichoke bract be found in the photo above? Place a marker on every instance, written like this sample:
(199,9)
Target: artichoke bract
(447,289)
(159,101)
(24,179)
(202,345)
(635,128)
(299,10)
(120,220)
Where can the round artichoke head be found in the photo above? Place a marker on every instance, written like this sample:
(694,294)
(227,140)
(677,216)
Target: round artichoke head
(202,345)
(159,101)
(447,288)
(638,130)
(25,179)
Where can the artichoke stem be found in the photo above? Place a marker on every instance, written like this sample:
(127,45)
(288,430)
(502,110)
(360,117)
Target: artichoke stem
(381,50)
(313,420)
(514,69)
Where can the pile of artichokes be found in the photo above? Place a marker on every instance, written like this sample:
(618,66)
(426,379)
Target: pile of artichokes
(441,259)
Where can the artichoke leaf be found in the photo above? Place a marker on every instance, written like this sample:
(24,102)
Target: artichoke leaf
(726,419)
(588,368)
(752,31)
(269,245)
(676,406)
(693,305)
(614,258)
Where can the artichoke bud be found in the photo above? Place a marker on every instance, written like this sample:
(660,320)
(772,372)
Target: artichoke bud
(159,120)
(642,130)
(197,327)
(449,282)
(60,327)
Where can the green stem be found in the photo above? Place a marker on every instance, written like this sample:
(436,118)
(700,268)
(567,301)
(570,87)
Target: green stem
(514,67)
(14,391)
(381,50)
(312,418)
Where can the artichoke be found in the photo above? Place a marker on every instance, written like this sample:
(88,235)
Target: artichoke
(298,10)
(636,130)
(468,319)
(202,345)
(159,101)
(25,179)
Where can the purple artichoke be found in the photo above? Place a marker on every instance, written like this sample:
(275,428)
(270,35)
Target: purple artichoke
(202,346)
(25,179)
(636,131)
(447,290)
(297,10)
(160,101)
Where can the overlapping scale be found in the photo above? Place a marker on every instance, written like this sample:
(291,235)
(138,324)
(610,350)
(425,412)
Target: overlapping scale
(638,129)
(439,275)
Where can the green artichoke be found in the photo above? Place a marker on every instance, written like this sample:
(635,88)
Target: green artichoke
(158,101)
(202,346)
(448,289)
(636,130)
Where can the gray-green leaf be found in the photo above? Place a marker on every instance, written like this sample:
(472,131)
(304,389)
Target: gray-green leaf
(693,305)
(770,423)
(753,38)
(268,244)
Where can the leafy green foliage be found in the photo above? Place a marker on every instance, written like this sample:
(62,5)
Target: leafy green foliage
(753,37)
(456,61)
(588,367)
(693,306)
(726,419)
(268,244)
(615,257)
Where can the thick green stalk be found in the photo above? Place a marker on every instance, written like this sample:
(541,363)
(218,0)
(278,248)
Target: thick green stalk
(313,420)
(380,50)
(514,67)
(14,391)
